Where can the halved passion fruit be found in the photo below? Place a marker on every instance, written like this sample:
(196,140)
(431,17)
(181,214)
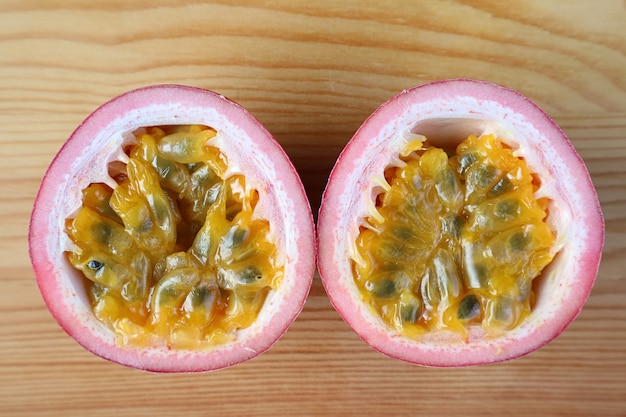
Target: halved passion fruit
(459,227)
(171,233)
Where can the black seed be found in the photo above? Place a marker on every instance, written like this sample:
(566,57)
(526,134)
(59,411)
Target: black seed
(409,313)
(95,265)
(385,288)
(393,249)
(102,231)
(164,167)
(249,275)
(501,186)
(167,294)
(507,209)
(469,308)
(199,294)
(402,232)
(446,179)
(485,175)
(518,241)
(238,237)
(173,175)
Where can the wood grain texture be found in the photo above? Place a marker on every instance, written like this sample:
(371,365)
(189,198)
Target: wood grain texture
(311,72)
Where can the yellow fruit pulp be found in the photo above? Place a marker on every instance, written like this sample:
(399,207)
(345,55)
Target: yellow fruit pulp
(454,241)
(173,255)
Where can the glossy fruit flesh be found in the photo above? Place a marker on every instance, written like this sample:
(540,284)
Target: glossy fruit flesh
(454,241)
(96,160)
(447,112)
(173,254)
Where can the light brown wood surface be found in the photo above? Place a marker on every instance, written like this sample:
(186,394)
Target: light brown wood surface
(311,72)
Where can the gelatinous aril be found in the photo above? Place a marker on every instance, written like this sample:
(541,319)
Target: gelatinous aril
(459,227)
(171,233)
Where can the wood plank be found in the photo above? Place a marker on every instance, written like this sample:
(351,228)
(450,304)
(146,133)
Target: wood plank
(311,72)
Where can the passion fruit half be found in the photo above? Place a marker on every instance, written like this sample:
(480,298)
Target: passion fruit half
(171,233)
(459,227)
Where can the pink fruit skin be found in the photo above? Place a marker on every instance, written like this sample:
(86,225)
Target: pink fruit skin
(81,160)
(457,108)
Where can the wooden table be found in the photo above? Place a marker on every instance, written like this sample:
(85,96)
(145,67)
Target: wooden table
(311,71)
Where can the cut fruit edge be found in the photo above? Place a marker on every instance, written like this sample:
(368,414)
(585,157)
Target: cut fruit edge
(84,159)
(446,112)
